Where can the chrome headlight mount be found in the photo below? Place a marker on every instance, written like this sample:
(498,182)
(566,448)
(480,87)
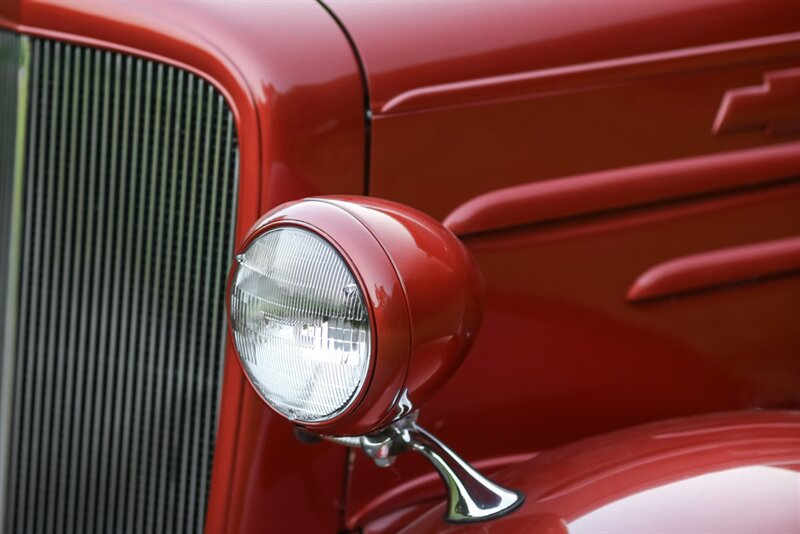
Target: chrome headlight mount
(471,497)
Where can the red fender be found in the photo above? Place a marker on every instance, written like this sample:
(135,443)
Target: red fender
(648,475)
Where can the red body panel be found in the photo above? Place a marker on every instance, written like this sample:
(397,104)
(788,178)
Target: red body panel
(485,98)
(407,47)
(603,191)
(718,267)
(573,147)
(565,484)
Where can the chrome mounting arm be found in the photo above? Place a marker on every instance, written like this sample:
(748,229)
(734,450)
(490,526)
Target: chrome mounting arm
(471,496)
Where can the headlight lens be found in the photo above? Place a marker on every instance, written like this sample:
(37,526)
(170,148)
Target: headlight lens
(300,324)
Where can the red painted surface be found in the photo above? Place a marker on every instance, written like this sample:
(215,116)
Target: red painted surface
(564,484)
(9,10)
(442,44)
(276,482)
(594,73)
(423,295)
(594,125)
(441,283)
(292,82)
(562,355)
(540,90)
(773,107)
(711,269)
(476,98)
(630,186)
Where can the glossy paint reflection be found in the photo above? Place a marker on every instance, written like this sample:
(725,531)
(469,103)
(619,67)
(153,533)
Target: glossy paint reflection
(766,499)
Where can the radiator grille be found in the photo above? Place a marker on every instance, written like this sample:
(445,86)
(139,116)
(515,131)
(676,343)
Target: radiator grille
(129,186)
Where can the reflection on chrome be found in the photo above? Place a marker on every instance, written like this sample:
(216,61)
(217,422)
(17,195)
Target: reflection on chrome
(471,496)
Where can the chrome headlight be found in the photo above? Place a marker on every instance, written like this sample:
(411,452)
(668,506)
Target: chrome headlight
(300,324)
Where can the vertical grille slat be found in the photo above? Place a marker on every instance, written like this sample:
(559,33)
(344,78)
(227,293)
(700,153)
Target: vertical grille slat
(185,358)
(119,328)
(14,74)
(157,466)
(136,371)
(60,276)
(127,214)
(40,271)
(78,311)
(126,364)
(217,174)
(200,255)
(108,309)
(89,314)
(217,338)
(68,308)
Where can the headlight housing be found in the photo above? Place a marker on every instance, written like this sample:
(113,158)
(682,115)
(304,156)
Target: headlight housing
(347,311)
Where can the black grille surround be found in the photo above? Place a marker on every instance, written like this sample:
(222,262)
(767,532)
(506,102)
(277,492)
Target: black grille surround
(129,187)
